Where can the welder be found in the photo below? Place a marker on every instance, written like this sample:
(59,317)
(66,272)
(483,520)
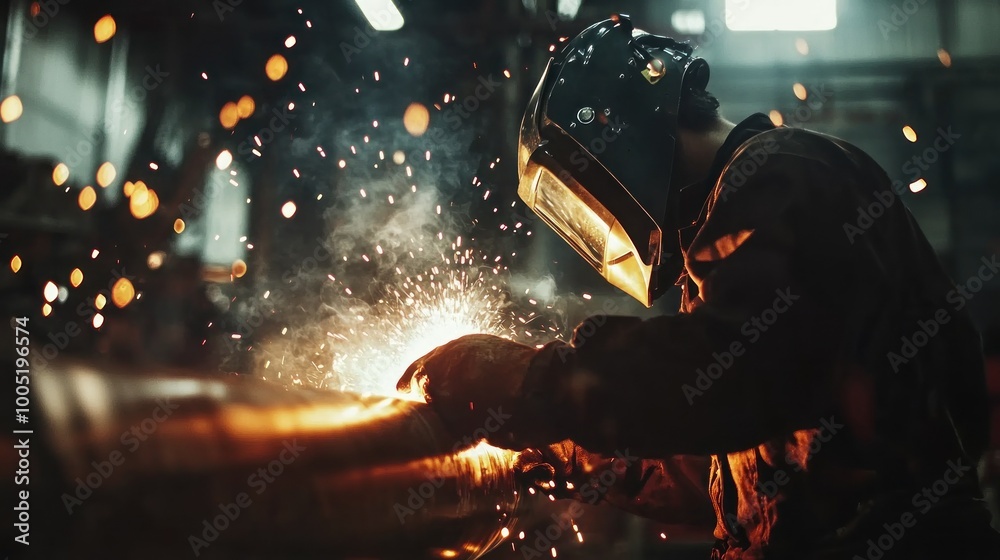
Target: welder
(817,396)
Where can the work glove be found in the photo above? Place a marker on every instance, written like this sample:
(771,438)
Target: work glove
(560,469)
(672,490)
(480,386)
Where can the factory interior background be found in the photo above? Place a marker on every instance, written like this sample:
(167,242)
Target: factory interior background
(315,193)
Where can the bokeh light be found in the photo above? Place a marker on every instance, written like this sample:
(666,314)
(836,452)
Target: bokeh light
(60,174)
(224,159)
(800,91)
(945,58)
(122,292)
(276,67)
(802,46)
(143,201)
(105,29)
(155,260)
(87,198)
(245,107)
(239,268)
(11,109)
(106,174)
(50,292)
(229,115)
(416,119)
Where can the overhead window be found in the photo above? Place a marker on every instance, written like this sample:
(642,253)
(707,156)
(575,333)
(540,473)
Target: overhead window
(382,15)
(781,15)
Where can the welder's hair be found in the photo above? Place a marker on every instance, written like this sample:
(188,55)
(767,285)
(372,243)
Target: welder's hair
(699,110)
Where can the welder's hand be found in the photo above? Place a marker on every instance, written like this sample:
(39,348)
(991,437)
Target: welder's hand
(476,384)
(560,469)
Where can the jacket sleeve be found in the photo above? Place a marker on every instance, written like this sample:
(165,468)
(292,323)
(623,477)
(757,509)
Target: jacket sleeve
(749,362)
(672,490)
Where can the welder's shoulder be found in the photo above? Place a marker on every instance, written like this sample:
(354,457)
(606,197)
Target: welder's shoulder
(794,163)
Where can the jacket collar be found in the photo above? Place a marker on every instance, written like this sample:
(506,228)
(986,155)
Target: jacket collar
(694,197)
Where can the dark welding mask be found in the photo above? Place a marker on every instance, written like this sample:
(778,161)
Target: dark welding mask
(596,151)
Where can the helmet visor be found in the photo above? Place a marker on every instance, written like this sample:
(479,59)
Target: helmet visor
(589,208)
(530,137)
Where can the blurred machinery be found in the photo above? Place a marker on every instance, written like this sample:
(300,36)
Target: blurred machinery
(166,466)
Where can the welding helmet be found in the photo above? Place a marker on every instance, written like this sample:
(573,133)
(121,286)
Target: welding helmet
(596,151)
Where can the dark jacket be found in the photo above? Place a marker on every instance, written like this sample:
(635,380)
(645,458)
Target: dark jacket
(822,359)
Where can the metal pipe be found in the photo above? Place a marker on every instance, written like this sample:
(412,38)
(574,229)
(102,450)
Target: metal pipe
(172,466)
